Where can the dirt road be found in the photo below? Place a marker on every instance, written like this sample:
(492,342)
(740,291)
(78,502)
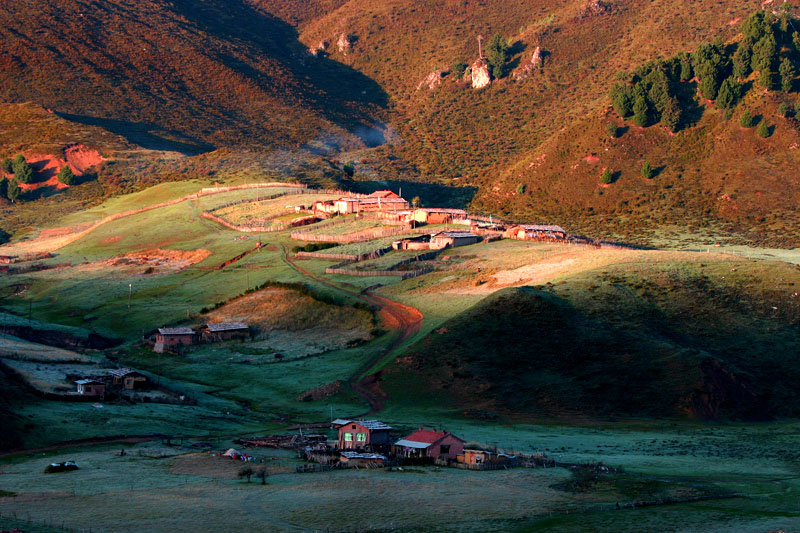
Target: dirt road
(403,318)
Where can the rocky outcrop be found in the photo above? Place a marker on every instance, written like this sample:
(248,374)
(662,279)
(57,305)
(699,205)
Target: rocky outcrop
(344,44)
(527,69)
(321,50)
(480,74)
(432,80)
(594,8)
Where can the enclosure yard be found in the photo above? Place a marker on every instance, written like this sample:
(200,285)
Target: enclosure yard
(259,213)
(22,350)
(54,378)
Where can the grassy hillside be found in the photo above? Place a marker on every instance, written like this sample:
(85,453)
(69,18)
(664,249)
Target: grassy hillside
(667,340)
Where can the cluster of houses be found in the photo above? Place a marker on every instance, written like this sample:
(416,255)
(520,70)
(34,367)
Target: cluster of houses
(120,379)
(170,338)
(372,443)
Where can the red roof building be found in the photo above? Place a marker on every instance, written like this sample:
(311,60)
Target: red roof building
(429,443)
(384,194)
(359,434)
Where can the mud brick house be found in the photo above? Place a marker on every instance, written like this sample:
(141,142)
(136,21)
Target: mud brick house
(348,205)
(421,242)
(8,259)
(223,331)
(436,215)
(91,387)
(129,379)
(535,232)
(483,457)
(361,459)
(452,239)
(168,337)
(355,434)
(429,443)
(325,206)
(384,194)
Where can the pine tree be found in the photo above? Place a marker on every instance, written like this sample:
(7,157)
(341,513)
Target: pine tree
(746,120)
(728,94)
(4,188)
(671,117)
(765,52)
(497,55)
(14,191)
(686,67)
(784,109)
(647,170)
(766,79)
(763,129)
(796,43)
(612,129)
(788,73)
(741,61)
(23,172)
(621,100)
(66,176)
(659,91)
(606,177)
(7,166)
(640,107)
(755,27)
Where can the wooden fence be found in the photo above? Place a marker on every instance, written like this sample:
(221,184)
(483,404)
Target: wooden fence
(259,229)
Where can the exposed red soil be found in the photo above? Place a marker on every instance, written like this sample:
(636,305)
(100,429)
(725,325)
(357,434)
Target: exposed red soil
(80,158)
(46,167)
(591,158)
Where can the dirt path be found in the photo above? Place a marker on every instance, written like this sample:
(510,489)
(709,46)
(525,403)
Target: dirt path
(407,320)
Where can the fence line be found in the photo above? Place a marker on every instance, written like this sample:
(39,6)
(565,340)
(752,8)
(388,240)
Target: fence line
(258,229)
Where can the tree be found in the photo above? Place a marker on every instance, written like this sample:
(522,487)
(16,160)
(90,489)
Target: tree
(640,109)
(521,188)
(658,93)
(686,67)
(672,116)
(763,129)
(755,27)
(747,120)
(788,73)
(349,168)
(415,201)
(766,79)
(612,130)
(728,94)
(23,172)
(459,68)
(246,472)
(742,59)
(66,176)
(497,54)
(606,177)
(3,188)
(14,191)
(765,52)
(647,170)
(262,474)
(7,166)
(709,62)
(784,109)
(621,100)
(796,43)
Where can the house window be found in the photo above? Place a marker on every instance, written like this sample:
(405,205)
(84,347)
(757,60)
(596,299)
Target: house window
(444,449)
(361,437)
(348,437)
(478,459)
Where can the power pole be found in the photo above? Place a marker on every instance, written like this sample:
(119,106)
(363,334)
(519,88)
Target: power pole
(130,293)
(480,49)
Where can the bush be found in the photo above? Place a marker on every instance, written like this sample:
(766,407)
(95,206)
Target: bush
(607,177)
(784,109)
(612,129)
(458,69)
(349,168)
(747,120)
(521,189)
(66,176)
(647,170)
(763,129)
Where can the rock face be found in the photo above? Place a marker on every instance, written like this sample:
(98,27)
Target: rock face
(321,49)
(527,69)
(432,80)
(480,74)
(343,44)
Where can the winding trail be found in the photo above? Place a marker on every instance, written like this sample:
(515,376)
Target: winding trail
(403,318)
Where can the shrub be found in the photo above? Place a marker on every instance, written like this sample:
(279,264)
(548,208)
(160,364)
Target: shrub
(612,129)
(246,472)
(647,170)
(66,176)
(606,177)
(459,68)
(784,109)
(747,120)
(349,168)
(520,188)
(763,129)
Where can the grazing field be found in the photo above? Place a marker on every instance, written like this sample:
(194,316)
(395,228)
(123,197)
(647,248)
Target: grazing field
(22,350)
(258,213)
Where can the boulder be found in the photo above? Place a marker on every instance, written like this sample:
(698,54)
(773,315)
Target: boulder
(480,74)
(344,43)
(432,80)
(527,69)
(594,8)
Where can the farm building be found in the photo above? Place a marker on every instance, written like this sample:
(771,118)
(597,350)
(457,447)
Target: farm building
(484,457)
(8,259)
(325,206)
(350,205)
(452,239)
(129,379)
(535,232)
(91,387)
(429,443)
(422,242)
(223,331)
(174,337)
(384,194)
(436,215)
(360,459)
(363,433)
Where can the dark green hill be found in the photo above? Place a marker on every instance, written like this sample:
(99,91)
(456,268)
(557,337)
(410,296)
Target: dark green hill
(668,342)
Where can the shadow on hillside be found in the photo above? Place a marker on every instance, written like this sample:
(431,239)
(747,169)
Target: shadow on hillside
(337,91)
(430,194)
(149,136)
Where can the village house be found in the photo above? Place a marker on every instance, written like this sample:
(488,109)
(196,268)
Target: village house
(429,443)
(535,232)
(166,337)
(129,379)
(421,242)
(349,205)
(384,194)
(476,457)
(452,239)
(325,206)
(436,215)
(223,331)
(8,259)
(91,387)
(363,433)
